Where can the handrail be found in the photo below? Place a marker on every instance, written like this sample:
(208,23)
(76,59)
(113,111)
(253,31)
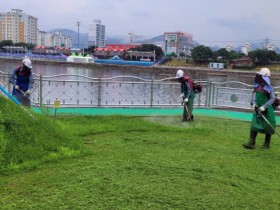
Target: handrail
(242,83)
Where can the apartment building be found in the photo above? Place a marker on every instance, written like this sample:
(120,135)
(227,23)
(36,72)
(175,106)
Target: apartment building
(18,27)
(246,48)
(44,39)
(178,42)
(270,47)
(229,47)
(96,34)
(54,40)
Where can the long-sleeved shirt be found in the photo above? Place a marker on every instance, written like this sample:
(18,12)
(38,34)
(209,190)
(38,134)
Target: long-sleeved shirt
(22,78)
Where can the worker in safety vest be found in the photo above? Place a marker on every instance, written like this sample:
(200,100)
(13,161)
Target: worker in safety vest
(22,81)
(263,118)
(187,94)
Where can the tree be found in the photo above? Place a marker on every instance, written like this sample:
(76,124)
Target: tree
(222,53)
(262,57)
(149,48)
(278,58)
(201,54)
(272,55)
(182,54)
(89,50)
(30,46)
(6,43)
(234,55)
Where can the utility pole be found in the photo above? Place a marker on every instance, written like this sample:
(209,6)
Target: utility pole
(266,43)
(78,34)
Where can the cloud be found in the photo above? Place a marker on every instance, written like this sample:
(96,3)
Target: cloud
(141,14)
(248,23)
(205,19)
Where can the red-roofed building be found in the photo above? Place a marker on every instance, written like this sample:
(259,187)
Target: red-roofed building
(113,50)
(242,62)
(121,46)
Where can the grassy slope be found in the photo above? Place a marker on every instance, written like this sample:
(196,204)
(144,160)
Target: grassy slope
(152,163)
(26,139)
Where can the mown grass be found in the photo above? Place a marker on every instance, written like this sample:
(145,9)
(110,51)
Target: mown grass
(151,163)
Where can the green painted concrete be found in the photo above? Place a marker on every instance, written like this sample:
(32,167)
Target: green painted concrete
(244,116)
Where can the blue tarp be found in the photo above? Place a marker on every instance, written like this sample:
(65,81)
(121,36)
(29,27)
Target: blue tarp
(119,61)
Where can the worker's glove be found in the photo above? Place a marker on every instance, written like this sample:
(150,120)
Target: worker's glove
(16,87)
(253,107)
(27,93)
(261,109)
(186,100)
(182,96)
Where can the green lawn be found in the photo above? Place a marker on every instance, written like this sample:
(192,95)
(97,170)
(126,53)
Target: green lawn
(151,163)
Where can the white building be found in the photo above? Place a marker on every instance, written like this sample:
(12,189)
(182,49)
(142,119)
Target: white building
(18,27)
(270,47)
(229,48)
(246,48)
(44,39)
(54,40)
(96,34)
(177,42)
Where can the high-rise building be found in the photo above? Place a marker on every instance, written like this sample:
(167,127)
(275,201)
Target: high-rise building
(246,48)
(96,34)
(44,39)
(18,27)
(270,47)
(229,47)
(54,40)
(177,42)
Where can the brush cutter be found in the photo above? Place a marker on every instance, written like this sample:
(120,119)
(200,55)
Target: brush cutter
(16,101)
(187,110)
(260,113)
(27,96)
(9,95)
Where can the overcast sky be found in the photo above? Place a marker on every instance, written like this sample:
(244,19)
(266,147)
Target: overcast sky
(212,22)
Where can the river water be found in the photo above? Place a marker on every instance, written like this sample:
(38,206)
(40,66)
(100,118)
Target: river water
(50,70)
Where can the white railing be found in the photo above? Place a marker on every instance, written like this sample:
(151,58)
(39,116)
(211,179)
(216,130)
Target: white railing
(129,91)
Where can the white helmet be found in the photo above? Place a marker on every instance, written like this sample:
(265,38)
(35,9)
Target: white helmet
(179,74)
(264,72)
(27,62)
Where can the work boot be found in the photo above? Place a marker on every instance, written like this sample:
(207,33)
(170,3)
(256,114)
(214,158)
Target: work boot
(252,141)
(185,119)
(266,144)
(192,119)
